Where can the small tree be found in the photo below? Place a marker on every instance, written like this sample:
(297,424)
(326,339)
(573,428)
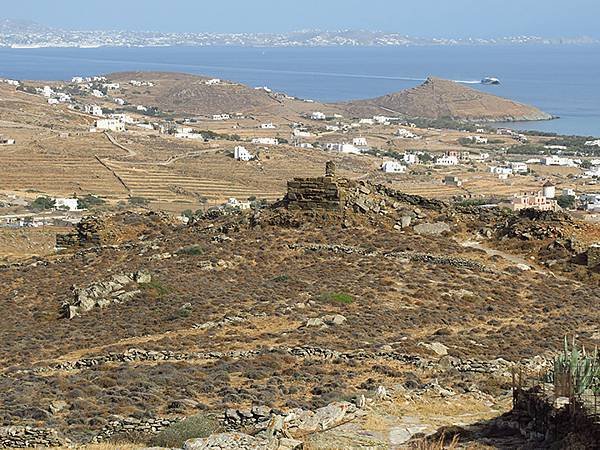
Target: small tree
(42,204)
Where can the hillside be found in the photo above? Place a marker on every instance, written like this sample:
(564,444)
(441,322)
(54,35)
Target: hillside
(437,98)
(292,306)
(190,94)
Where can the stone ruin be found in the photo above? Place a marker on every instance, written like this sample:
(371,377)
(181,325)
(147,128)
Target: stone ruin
(316,193)
(593,256)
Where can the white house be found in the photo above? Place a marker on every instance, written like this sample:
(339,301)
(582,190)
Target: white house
(241,154)
(594,143)
(554,160)
(109,124)
(221,117)
(120,101)
(406,134)
(70,204)
(360,142)
(77,80)
(393,167)
(94,110)
(213,81)
(111,86)
(549,189)
(5,141)
(47,91)
(518,167)
(235,203)
(343,148)
(268,126)
(366,122)
(265,141)
(299,133)
(332,128)
(411,158)
(317,115)
(496,170)
(141,108)
(53,101)
(446,160)
(97,93)
(477,139)
(187,133)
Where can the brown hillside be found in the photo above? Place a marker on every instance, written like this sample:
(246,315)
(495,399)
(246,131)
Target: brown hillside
(437,98)
(189,94)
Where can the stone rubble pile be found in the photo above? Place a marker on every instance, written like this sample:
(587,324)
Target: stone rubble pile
(24,437)
(119,289)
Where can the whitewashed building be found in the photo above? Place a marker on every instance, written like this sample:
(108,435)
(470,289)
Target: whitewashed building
(241,154)
(360,142)
(393,167)
(109,125)
(94,110)
(447,160)
(317,115)
(70,204)
(265,141)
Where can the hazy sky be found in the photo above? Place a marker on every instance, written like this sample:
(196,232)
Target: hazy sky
(449,18)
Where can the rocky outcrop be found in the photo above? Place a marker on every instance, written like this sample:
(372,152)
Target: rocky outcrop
(118,289)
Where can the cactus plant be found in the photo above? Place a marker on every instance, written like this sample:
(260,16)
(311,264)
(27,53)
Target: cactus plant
(574,371)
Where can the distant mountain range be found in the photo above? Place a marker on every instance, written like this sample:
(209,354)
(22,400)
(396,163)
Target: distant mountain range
(27,34)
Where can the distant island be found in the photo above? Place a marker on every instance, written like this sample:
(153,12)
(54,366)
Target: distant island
(26,34)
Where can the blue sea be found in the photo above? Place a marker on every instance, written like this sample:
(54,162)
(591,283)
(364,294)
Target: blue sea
(563,80)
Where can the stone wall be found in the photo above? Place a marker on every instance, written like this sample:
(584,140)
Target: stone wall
(26,437)
(593,256)
(314,193)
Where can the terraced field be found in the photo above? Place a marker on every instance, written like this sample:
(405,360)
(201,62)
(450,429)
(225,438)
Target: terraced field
(58,175)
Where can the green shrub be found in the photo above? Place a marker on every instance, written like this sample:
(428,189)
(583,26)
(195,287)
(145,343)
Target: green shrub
(337,297)
(138,201)
(200,426)
(281,278)
(42,204)
(89,201)
(155,287)
(191,250)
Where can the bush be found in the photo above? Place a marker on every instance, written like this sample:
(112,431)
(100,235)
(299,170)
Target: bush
(42,204)
(337,297)
(281,279)
(200,426)
(138,201)
(89,201)
(191,250)
(155,287)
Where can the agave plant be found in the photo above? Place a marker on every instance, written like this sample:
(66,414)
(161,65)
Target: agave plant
(575,372)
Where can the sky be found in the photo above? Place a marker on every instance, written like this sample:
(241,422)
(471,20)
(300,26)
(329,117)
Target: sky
(426,18)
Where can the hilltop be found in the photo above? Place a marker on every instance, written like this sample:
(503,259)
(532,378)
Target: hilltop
(437,98)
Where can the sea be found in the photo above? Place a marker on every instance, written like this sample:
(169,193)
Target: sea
(563,80)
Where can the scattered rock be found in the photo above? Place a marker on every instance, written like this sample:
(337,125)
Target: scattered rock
(432,229)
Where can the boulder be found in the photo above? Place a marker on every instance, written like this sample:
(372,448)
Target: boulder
(436,347)
(336,319)
(326,417)
(432,229)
